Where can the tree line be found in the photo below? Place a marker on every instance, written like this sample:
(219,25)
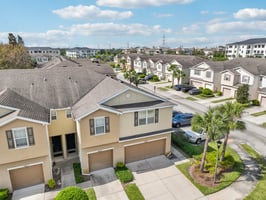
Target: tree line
(14,55)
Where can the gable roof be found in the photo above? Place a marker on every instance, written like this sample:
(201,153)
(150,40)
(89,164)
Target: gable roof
(26,108)
(250,41)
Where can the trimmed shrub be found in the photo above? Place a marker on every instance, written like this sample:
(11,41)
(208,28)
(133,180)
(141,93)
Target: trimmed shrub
(123,173)
(72,193)
(4,193)
(255,102)
(155,78)
(219,93)
(77,173)
(51,183)
(120,165)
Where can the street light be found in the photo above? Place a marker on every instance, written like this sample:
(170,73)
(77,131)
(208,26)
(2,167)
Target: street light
(219,142)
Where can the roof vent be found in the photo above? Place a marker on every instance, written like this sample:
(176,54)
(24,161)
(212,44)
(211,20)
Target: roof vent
(32,84)
(69,77)
(44,79)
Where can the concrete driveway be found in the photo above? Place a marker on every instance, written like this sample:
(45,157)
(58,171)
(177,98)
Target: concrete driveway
(158,178)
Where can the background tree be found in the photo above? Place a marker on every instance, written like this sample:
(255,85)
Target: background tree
(232,113)
(212,124)
(173,68)
(12,39)
(242,94)
(123,62)
(20,41)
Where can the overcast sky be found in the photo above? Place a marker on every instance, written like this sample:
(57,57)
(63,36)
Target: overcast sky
(123,23)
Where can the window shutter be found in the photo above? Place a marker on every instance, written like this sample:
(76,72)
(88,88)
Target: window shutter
(92,130)
(107,124)
(10,140)
(156,115)
(136,119)
(30,136)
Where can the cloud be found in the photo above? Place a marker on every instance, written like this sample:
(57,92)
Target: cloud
(251,13)
(139,3)
(192,28)
(90,13)
(204,12)
(162,15)
(236,27)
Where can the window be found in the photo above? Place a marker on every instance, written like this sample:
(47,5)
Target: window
(53,115)
(20,137)
(196,72)
(208,74)
(146,117)
(245,79)
(99,125)
(227,77)
(68,113)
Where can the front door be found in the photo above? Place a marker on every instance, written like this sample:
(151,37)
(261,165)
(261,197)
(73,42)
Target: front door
(57,146)
(71,143)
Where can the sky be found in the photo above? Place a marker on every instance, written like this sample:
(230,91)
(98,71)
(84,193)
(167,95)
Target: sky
(132,23)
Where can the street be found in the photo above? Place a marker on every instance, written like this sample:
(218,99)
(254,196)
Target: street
(254,135)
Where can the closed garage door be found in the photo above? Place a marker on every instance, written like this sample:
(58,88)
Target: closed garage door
(101,160)
(26,176)
(145,150)
(227,92)
(263,101)
(196,84)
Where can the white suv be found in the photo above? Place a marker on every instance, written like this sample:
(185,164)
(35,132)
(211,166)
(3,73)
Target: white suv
(195,137)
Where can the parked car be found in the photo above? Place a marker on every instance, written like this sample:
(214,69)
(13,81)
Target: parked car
(178,87)
(195,137)
(175,112)
(148,77)
(187,88)
(142,81)
(194,91)
(182,119)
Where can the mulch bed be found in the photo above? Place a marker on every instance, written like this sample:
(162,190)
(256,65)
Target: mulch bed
(57,178)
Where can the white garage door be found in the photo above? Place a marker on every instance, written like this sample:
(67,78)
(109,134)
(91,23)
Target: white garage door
(263,101)
(227,92)
(196,84)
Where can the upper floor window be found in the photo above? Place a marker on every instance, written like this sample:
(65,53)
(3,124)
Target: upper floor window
(196,72)
(208,74)
(245,79)
(53,115)
(227,77)
(99,125)
(68,113)
(146,117)
(20,137)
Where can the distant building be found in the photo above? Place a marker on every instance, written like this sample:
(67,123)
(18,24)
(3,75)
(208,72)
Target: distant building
(43,54)
(248,48)
(80,52)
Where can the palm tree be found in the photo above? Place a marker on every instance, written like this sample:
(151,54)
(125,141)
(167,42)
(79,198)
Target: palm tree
(232,112)
(180,75)
(212,123)
(176,73)
(123,61)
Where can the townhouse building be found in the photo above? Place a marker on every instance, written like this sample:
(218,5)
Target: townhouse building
(248,48)
(43,54)
(66,112)
(80,52)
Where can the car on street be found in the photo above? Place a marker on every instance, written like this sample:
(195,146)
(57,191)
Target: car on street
(187,88)
(194,91)
(183,119)
(195,137)
(178,87)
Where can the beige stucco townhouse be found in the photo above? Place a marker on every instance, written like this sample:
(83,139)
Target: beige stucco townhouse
(60,113)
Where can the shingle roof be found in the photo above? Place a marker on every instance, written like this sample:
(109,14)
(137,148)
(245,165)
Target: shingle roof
(27,108)
(53,88)
(250,41)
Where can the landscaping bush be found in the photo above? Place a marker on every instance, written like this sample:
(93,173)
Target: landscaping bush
(155,78)
(77,173)
(123,173)
(219,93)
(142,76)
(255,102)
(72,193)
(51,183)
(4,193)
(206,92)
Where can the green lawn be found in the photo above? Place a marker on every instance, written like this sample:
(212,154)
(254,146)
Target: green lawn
(124,174)
(259,193)
(222,100)
(133,192)
(91,194)
(77,173)
(194,151)
(163,88)
(259,113)
(191,98)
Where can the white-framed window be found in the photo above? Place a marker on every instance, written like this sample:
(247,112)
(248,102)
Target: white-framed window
(196,72)
(99,125)
(68,113)
(245,79)
(146,117)
(20,137)
(53,115)
(227,77)
(208,74)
